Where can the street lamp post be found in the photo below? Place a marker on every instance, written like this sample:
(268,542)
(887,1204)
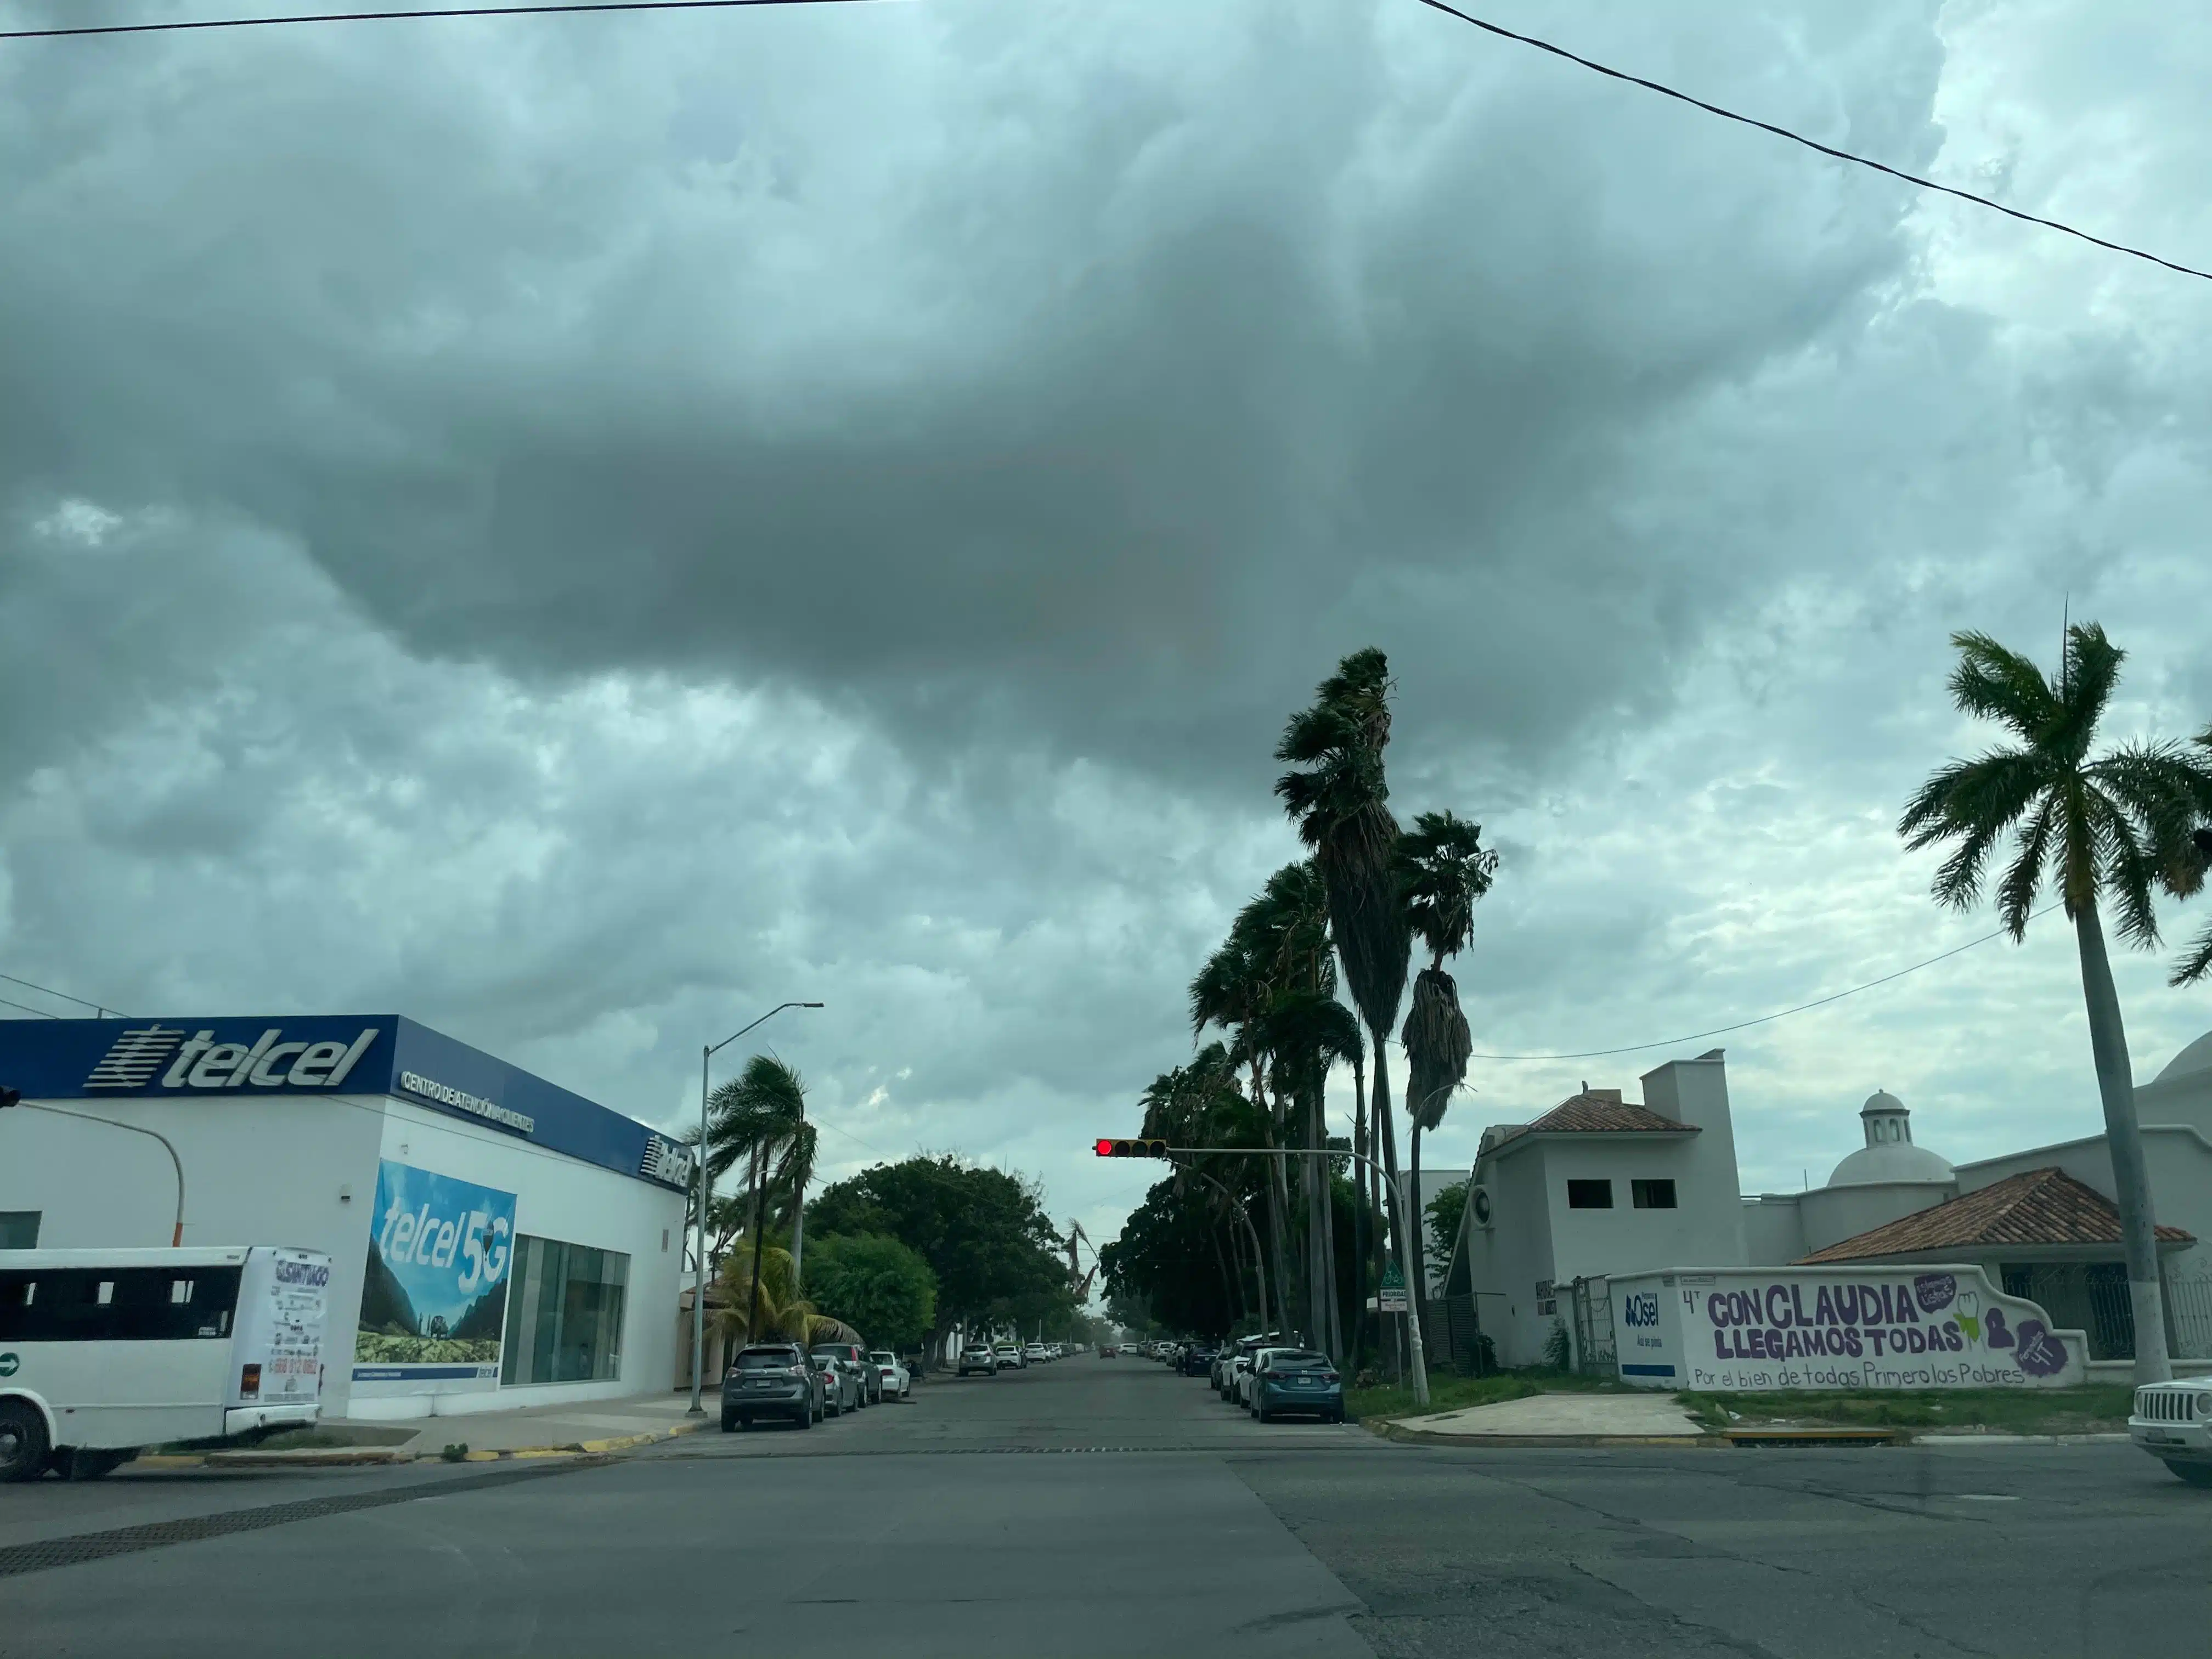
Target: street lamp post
(699,1267)
(10,1098)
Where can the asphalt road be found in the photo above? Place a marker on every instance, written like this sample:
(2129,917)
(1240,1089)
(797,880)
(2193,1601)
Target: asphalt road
(1101,1507)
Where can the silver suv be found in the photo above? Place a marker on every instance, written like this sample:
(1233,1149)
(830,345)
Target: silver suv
(2172,1421)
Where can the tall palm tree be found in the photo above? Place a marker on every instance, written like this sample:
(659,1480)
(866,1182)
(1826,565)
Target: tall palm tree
(2116,826)
(760,1115)
(1339,797)
(1443,871)
(1232,990)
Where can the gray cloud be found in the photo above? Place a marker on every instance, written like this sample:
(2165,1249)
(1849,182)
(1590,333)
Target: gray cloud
(581,531)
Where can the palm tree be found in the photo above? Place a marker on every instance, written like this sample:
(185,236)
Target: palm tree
(1340,799)
(1443,870)
(2116,826)
(760,1115)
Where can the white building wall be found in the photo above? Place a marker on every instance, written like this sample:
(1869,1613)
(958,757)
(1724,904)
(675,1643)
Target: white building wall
(1773,1230)
(1506,1260)
(1696,1092)
(1702,1228)
(560,1198)
(301,1170)
(258,1169)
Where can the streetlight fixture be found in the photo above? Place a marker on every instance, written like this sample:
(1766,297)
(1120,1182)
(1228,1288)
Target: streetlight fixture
(12,1097)
(699,1272)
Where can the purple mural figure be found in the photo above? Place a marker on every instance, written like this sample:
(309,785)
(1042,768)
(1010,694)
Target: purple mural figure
(1934,1291)
(2040,1353)
(1999,1336)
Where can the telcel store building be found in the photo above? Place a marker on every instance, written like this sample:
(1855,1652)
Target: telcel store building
(496,1241)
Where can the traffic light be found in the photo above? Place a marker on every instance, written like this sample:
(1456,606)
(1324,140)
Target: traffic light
(1130,1148)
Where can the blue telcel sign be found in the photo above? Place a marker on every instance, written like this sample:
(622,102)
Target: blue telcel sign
(327,1054)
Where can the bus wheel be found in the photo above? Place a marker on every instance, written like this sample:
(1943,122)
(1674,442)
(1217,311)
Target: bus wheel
(23,1441)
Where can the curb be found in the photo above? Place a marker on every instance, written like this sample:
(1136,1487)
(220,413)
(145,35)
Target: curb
(354,1457)
(1389,1429)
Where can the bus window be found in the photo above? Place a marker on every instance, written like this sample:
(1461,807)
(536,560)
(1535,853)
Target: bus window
(116,1304)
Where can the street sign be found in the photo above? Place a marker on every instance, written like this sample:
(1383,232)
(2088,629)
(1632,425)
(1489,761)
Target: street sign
(1393,1299)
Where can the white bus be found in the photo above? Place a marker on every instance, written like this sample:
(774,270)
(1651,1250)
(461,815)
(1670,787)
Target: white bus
(105,1351)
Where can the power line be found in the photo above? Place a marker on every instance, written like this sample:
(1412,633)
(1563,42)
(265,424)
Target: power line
(28,1009)
(1665,91)
(30,985)
(1744,1024)
(392,16)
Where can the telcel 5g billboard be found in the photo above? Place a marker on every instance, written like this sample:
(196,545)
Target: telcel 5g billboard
(434,1303)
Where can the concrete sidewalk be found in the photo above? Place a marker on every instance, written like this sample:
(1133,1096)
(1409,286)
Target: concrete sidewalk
(1556,1420)
(593,1425)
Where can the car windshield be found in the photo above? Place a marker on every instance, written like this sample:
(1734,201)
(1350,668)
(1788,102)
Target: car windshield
(884,1358)
(1295,1360)
(826,1355)
(766,1359)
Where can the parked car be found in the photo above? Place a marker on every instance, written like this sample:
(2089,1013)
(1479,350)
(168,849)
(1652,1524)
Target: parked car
(872,1382)
(1239,1353)
(2172,1421)
(773,1379)
(1108,1351)
(1297,1380)
(847,1392)
(1011,1357)
(1246,1373)
(979,1357)
(1036,1354)
(891,1375)
(1197,1359)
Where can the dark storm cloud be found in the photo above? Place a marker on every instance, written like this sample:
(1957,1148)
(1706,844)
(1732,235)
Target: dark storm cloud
(1005,369)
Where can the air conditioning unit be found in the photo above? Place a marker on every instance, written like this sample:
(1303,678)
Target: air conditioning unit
(1478,1208)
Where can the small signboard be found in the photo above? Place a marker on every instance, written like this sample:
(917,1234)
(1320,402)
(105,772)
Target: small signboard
(1393,1299)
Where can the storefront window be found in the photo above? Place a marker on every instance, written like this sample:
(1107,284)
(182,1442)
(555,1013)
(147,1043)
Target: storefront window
(564,1313)
(19,1229)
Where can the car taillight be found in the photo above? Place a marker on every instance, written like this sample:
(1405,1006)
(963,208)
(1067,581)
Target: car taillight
(249,1382)
(1328,1376)
(794,1371)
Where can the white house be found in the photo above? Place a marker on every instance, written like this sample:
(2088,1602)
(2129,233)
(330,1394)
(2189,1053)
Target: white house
(1598,1184)
(1599,1187)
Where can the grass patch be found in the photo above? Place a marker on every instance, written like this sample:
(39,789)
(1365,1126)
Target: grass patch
(1450,1393)
(2098,1408)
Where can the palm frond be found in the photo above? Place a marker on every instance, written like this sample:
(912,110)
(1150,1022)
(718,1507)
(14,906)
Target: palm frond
(2195,962)
(2166,790)
(1443,871)
(2024,878)
(1993,682)
(2092,670)
(1438,1047)
(2124,869)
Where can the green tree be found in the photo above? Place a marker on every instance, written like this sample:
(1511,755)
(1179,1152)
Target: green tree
(2116,826)
(1339,797)
(1444,1212)
(982,1232)
(876,1284)
(1443,871)
(2196,961)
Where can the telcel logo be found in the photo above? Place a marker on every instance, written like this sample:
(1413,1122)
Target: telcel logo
(204,1063)
(8,1364)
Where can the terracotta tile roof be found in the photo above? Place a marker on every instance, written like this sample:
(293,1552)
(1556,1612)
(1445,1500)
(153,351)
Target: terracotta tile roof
(2037,1207)
(1593,1113)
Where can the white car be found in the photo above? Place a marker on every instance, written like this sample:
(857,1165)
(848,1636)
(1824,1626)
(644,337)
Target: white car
(2172,1421)
(898,1381)
(1036,1353)
(1011,1357)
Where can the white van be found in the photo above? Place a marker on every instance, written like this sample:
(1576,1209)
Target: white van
(104,1352)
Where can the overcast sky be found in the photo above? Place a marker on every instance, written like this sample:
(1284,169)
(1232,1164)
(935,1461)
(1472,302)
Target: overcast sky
(577,530)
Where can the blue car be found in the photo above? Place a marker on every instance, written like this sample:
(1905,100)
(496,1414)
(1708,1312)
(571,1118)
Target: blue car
(1297,1381)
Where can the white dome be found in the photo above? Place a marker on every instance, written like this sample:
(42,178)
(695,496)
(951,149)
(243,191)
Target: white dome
(2197,1057)
(1892,1161)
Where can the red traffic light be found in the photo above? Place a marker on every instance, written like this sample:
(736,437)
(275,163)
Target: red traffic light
(1130,1148)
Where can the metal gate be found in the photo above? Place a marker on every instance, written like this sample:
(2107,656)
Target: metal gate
(1594,1354)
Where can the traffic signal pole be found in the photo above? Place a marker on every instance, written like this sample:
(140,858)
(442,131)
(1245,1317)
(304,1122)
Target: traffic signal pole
(1150,1148)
